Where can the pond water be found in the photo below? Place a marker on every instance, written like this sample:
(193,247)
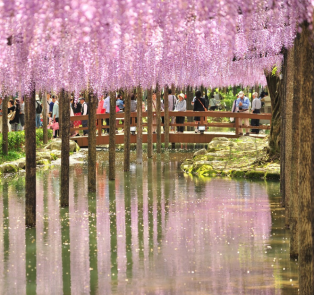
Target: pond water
(152,231)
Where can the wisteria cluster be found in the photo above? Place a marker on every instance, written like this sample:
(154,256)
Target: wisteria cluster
(112,44)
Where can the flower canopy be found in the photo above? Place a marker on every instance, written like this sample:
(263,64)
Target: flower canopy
(111,44)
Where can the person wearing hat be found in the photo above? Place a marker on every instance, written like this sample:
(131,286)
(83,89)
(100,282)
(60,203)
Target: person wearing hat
(84,112)
(180,106)
(243,105)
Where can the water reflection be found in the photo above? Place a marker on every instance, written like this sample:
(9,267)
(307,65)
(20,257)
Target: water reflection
(152,231)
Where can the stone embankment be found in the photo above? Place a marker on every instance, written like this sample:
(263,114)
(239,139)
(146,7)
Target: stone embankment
(236,158)
(51,153)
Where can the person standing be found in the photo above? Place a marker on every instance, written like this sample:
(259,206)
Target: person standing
(119,102)
(180,107)
(22,114)
(212,104)
(51,104)
(256,109)
(133,107)
(38,109)
(0,114)
(55,114)
(243,104)
(14,107)
(199,106)
(84,112)
(107,110)
(171,106)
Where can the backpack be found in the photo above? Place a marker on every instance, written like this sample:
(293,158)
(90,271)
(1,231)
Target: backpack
(39,108)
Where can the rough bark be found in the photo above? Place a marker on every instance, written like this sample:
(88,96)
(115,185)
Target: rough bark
(45,130)
(288,132)
(127,132)
(189,107)
(166,122)
(139,127)
(305,177)
(5,127)
(275,87)
(158,117)
(294,235)
(60,115)
(149,124)
(283,84)
(65,149)
(112,136)
(92,106)
(30,151)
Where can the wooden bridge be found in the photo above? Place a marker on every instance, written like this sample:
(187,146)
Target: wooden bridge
(186,137)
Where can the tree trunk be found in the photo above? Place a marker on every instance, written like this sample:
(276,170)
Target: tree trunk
(158,117)
(139,131)
(283,85)
(45,130)
(127,132)
(288,132)
(149,124)
(294,199)
(30,151)
(305,177)
(92,106)
(112,136)
(60,115)
(274,85)
(166,121)
(189,107)
(65,149)
(5,127)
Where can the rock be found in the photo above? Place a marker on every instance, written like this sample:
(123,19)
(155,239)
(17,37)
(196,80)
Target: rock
(55,154)
(9,168)
(272,175)
(57,145)
(220,139)
(43,155)
(21,163)
(43,162)
(237,173)
(254,174)
(201,152)
(48,147)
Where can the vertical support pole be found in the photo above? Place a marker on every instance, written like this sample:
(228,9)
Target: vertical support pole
(166,124)
(30,150)
(91,141)
(237,125)
(139,129)
(158,106)
(149,123)
(127,132)
(112,136)
(45,106)
(60,114)
(5,127)
(65,149)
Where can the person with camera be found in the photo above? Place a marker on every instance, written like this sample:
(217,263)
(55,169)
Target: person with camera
(243,105)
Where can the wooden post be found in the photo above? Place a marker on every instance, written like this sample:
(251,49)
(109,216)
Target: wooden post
(237,125)
(112,136)
(127,132)
(305,177)
(65,149)
(5,127)
(30,150)
(149,123)
(158,116)
(139,131)
(45,130)
(92,103)
(166,123)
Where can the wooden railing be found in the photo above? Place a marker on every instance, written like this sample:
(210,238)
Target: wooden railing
(238,117)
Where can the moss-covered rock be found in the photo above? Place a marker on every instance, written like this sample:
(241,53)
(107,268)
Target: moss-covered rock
(9,168)
(273,175)
(201,152)
(237,174)
(43,162)
(254,174)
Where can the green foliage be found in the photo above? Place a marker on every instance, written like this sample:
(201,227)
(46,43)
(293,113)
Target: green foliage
(274,71)
(255,174)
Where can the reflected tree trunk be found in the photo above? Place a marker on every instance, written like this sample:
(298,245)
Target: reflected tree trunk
(139,132)
(66,257)
(149,123)
(140,209)
(150,195)
(30,151)
(127,132)
(112,137)
(5,127)
(30,256)
(305,177)
(92,106)
(65,149)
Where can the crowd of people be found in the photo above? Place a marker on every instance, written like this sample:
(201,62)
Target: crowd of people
(200,102)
